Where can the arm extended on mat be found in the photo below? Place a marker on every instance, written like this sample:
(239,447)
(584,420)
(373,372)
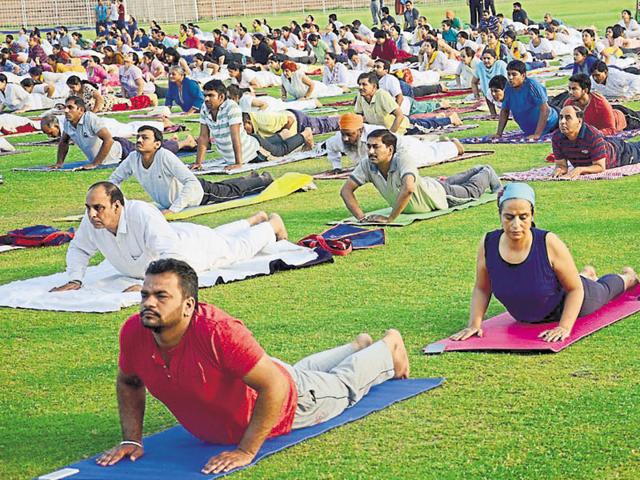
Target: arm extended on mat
(502,121)
(107,142)
(63,149)
(404,197)
(131,404)
(479,299)
(234,132)
(203,145)
(565,268)
(597,166)
(272,387)
(542,121)
(350,201)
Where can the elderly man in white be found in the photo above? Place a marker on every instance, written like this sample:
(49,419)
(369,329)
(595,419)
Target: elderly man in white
(351,141)
(132,233)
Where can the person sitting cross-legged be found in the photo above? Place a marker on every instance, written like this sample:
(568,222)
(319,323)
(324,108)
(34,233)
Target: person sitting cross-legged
(586,147)
(393,172)
(532,273)
(240,396)
(170,183)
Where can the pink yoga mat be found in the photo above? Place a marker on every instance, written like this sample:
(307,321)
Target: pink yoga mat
(504,333)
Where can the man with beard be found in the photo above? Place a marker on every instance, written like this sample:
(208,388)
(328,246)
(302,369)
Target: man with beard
(351,141)
(131,234)
(217,380)
(393,171)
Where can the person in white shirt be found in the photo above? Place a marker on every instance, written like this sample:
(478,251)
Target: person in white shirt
(433,59)
(131,234)
(613,83)
(539,47)
(351,141)
(170,183)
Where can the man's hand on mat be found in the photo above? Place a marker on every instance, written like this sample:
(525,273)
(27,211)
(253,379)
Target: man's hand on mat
(555,334)
(533,137)
(467,333)
(226,461)
(67,286)
(56,166)
(559,172)
(113,456)
(230,168)
(375,219)
(88,166)
(133,288)
(575,173)
(195,166)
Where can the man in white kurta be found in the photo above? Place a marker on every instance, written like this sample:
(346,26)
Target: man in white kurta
(351,141)
(131,234)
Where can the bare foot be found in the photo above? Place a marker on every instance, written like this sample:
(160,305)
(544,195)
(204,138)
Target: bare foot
(458,145)
(394,341)
(189,143)
(455,119)
(589,272)
(445,104)
(307,134)
(630,278)
(318,103)
(362,341)
(166,122)
(443,88)
(278,226)
(257,218)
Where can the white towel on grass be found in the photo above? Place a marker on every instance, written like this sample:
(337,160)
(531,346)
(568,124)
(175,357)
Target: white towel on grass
(103,286)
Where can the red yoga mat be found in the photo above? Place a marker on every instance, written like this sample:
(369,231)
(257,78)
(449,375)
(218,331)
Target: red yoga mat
(504,333)
(450,93)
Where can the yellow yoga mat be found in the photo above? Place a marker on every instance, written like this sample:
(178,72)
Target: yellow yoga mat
(281,187)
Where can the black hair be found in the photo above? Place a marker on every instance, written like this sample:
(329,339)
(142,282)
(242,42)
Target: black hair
(517,66)
(313,37)
(234,91)
(157,134)
(331,55)
(628,12)
(618,31)
(370,77)
(386,65)
(215,86)
(187,276)
(590,31)
(579,112)
(111,190)
(464,35)
(432,42)
(489,51)
(510,34)
(351,52)
(235,66)
(3,78)
(386,137)
(499,82)
(27,82)
(37,71)
(517,4)
(77,101)
(380,34)
(581,79)
(599,66)
(582,50)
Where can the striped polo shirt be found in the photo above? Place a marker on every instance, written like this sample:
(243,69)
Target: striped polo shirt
(589,146)
(229,114)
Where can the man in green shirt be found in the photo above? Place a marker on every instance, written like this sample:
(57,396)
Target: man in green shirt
(394,173)
(318,47)
(378,107)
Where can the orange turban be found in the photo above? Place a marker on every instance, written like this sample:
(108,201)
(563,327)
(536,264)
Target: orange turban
(350,121)
(289,65)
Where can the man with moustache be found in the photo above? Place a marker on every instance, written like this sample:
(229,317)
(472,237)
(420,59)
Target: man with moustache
(217,380)
(130,234)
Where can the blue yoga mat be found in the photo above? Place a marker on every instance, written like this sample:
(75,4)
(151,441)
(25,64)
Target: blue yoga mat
(176,454)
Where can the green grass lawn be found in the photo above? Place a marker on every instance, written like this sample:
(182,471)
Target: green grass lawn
(572,415)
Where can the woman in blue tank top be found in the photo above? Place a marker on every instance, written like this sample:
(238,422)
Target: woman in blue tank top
(532,273)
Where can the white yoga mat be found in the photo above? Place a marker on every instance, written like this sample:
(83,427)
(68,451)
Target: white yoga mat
(103,286)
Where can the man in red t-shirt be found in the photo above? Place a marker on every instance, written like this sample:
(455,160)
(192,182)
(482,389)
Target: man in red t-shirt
(121,15)
(207,368)
(598,112)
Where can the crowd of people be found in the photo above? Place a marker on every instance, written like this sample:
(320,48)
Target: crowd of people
(217,75)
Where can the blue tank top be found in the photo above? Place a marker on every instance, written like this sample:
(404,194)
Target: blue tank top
(530,291)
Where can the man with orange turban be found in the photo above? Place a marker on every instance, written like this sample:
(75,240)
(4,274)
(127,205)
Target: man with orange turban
(351,141)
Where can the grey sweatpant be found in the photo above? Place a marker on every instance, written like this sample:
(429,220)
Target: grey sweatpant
(331,381)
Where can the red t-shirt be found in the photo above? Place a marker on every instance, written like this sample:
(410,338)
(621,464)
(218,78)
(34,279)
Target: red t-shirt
(601,115)
(121,12)
(203,385)
(192,42)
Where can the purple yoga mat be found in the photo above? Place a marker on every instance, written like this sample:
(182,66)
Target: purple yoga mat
(504,333)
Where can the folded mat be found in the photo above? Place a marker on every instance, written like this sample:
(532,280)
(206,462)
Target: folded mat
(176,454)
(360,238)
(405,219)
(517,136)
(544,174)
(103,286)
(217,166)
(344,173)
(504,333)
